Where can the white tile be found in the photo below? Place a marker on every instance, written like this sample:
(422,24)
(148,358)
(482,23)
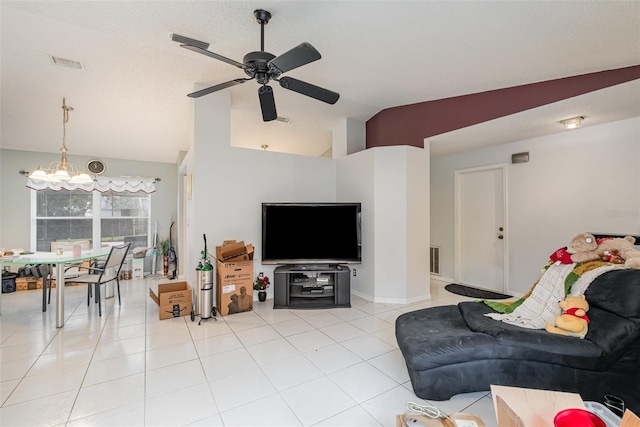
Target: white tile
(61,360)
(6,388)
(272,351)
(108,395)
(16,368)
(323,319)
(348,314)
(316,400)
(122,333)
(342,331)
(272,316)
(268,411)
(332,358)
(291,372)
(47,384)
(217,344)
(174,377)
(210,328)
(180,407)
(21,351)
(367,346)
(371,324)
(171,355)
(292,327)
(353,417)
(257,335)
(240,321)
(227,363)
(459,402)
(125,416)
(484,409)
(242,361)
(210,421)
(393,365)
(47,411)
(240,389)
(362,381)
(119,348)
(167,338)
(311,340)
(387,335)
(384,407)
(111,369)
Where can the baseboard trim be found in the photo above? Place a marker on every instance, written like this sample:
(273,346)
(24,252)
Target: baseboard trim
(413,300)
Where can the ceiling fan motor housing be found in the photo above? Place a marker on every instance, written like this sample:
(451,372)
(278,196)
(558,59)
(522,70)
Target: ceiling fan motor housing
(256,65)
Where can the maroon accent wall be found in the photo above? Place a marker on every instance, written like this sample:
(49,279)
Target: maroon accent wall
(410,124)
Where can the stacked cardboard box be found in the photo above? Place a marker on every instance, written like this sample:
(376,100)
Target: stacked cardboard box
(234,277)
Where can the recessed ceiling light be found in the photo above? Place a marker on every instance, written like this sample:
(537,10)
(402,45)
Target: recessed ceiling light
(572,123)
(66,63)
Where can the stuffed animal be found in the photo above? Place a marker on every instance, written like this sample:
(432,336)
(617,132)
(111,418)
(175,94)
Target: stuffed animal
(573,321)
(581,248)
(624,247)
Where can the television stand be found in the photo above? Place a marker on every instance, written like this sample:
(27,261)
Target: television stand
(311,286)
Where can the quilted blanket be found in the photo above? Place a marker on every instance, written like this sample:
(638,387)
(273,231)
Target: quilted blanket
(540,305)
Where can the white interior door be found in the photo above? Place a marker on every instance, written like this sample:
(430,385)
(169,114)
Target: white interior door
(480,227)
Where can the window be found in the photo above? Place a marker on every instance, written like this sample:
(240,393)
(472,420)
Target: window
(109,218)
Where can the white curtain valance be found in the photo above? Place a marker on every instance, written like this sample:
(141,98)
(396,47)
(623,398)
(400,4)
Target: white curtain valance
(102,184)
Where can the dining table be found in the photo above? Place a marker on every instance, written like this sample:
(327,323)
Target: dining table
(59,261)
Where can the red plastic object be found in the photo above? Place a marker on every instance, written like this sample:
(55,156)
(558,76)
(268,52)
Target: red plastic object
(577,418)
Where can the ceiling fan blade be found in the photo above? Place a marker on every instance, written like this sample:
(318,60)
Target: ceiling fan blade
(300,55)
(186,40)
(212,55)
(267,103)
(216,88)
(313,91)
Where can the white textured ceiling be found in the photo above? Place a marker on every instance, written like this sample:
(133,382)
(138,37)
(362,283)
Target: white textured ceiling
(130,101)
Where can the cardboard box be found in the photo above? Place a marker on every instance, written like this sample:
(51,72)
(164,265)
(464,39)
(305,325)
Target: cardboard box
(174,299)
(230,251)
(234,282)
(525,407)
(26,283)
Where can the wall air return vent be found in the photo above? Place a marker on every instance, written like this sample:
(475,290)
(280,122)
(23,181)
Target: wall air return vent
(66,63)
(434,255)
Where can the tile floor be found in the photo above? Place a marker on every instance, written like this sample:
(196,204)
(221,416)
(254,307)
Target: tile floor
(334,367)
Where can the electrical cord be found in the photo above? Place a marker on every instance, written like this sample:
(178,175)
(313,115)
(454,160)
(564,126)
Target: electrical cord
(427,410)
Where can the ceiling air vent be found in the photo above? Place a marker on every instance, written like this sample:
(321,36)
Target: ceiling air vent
(67,63)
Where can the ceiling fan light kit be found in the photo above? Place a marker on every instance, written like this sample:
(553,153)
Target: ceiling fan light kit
(264,67)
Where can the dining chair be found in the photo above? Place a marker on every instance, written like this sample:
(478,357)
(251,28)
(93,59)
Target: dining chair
(109,272)
(48,272)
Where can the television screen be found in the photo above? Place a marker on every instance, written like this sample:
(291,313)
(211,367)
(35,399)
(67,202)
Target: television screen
(311,233)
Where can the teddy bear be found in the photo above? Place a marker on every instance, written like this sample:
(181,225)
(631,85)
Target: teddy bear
(624,247)
(574,320)
(581,248)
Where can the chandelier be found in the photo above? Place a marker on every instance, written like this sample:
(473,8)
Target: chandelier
(62,170)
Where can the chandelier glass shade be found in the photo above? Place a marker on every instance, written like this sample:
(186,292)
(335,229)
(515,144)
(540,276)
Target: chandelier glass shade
(63,170)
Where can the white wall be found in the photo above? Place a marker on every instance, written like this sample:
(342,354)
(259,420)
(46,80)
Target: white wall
(230,183)
(15,197)
(582,180)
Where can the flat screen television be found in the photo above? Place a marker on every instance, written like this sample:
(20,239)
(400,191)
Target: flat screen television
(311,233)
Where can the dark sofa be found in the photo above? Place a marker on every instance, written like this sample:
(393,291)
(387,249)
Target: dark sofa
(456,349)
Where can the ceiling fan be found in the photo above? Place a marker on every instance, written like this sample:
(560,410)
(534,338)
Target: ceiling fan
(264,66)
